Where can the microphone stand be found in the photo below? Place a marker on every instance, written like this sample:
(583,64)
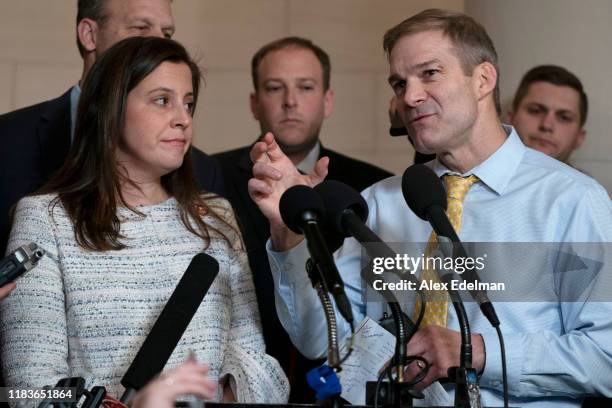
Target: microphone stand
(333,354)
(402,393)
(465,377)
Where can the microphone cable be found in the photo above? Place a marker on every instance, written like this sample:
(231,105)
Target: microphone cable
(502,348)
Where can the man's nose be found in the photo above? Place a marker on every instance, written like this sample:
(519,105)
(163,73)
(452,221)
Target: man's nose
(290,98)
(547,122)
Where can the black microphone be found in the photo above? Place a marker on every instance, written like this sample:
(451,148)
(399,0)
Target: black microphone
(19,261)
(171,324)
(303,212)
(347,212)
(425,195)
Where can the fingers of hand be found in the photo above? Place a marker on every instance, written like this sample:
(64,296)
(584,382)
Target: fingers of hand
(414,370)
(430,343)
(273,150)
(6,289)
(320,171)
(258,189)
(258,153)
(264,171)
(188,378)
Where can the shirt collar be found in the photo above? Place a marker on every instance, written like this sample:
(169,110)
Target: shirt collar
(75,94)
(496,171)
(307,165)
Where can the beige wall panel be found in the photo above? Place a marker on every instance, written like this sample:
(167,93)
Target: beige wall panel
(351,31)
(7,91)
(36,82)
(577,35)
(224,120)
(598,144)
(601,170)
(352,123)
(38,30)
(227,33)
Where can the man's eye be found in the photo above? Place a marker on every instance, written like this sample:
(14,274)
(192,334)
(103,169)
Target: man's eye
(273,88)
(398,87)
(534,110)
(307,87)
(428,73)
(566,118)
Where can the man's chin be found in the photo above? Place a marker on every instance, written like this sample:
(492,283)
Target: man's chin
(293,146)
(543,146)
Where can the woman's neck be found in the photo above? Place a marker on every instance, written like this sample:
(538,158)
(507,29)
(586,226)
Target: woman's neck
(144,193)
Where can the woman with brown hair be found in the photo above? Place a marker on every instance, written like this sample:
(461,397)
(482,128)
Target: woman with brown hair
(120,222)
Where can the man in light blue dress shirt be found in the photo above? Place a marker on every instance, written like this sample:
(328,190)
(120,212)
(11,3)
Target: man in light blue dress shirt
(443,71)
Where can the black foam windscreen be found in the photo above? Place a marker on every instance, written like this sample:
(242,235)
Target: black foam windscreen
(172,321)
(422,189)
(295,202)
(338,197)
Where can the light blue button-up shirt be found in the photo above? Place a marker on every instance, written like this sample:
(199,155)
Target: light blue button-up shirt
(556,351)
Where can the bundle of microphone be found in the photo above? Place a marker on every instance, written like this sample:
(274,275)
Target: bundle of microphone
(336,207)
(161,341)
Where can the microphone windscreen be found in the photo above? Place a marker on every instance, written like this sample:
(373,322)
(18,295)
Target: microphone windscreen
(295,202)
(338,197)
(422,189)
(172,321)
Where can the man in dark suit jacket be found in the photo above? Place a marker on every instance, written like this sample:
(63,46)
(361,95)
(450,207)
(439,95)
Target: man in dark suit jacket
(291,100)
(36,139)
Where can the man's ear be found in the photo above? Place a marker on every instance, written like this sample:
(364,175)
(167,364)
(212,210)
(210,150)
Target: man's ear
(87,33)
(510,116)
(328,103)
(485,76)
(254,105)
(580,138)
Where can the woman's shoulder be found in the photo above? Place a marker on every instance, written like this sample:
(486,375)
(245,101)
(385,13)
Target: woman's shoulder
(38,203)
(221,215)
(219,206)
(216,201)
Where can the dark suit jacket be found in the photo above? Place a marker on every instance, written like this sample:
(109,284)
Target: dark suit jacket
(237,170)
(35,141)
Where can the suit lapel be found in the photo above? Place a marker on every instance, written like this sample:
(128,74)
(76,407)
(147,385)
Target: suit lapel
(331,170)
(53,131)
(261,227)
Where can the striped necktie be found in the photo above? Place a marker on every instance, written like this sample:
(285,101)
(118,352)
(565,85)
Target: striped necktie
(436,312)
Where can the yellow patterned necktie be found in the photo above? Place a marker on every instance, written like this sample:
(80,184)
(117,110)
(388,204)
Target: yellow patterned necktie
(436,312)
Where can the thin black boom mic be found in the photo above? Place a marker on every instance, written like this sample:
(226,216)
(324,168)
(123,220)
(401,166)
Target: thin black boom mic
(171,324)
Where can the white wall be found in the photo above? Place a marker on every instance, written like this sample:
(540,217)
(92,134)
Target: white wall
(39,60)
(573,34)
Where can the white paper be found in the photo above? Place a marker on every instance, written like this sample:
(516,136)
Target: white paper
(373,346)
